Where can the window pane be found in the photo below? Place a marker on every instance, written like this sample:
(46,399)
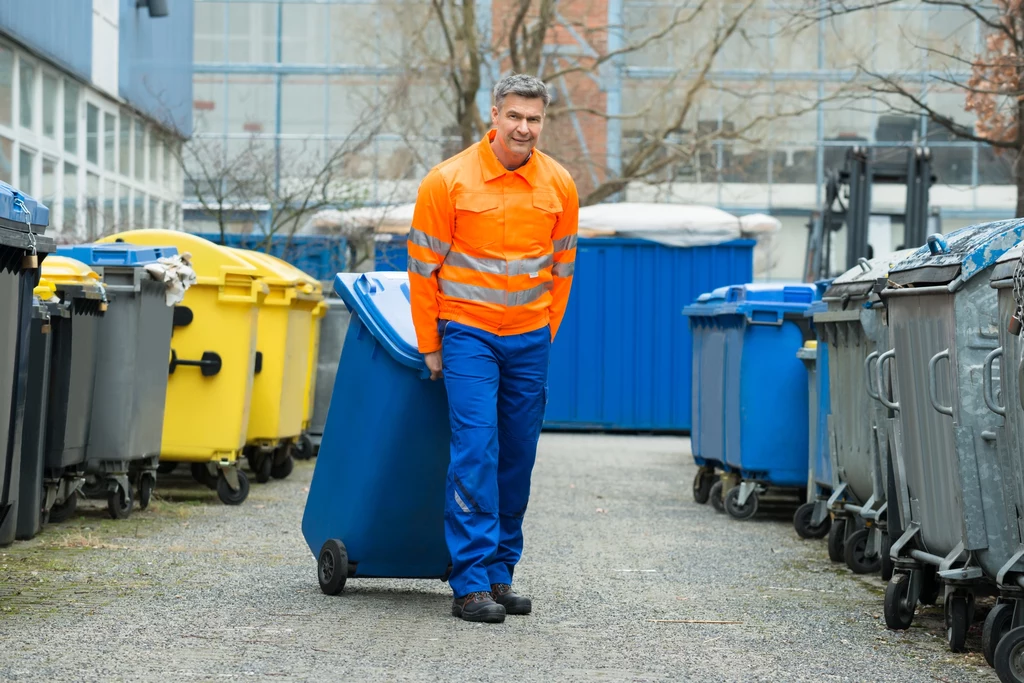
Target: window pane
(167,165)
(6,160)
(49,106)
(25,159)
(92,134)
(71,117)
(302,105)
(140,150)
(151,223)
(49,193)
(6,85)
(252,32)
(209,39)
(92,206)
(109,138)
(154,158)
(165,216)
(123,206)
(251,107)
(126,144)
(70,198)
(28,91)
(304,33)
(139,220)
(109,201)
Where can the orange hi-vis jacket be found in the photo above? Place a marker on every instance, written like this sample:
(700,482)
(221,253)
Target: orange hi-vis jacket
(492,248)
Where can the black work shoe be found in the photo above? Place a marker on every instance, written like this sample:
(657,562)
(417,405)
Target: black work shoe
(478,607)
(513,604)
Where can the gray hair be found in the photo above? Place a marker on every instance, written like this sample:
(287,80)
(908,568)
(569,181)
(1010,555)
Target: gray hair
(523,85)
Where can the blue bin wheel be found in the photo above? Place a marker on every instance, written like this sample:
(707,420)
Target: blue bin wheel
(899,605)
(332,567)
(803,526)
(856,554)
(837,541)
(997,625)
(120,503)
(737,511)
(1009,657)
(957,621)
(715,496)
(229,496)
(702,483)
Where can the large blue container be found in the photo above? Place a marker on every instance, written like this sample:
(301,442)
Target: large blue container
(320,256)
(379,482)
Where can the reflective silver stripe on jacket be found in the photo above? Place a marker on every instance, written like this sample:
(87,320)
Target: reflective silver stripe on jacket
(564,269)
(422,267)
(422,239)
(499,266)
(490,295)
(565,243)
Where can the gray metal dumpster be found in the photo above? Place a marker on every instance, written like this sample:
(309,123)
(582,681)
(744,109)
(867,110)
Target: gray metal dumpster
(333,329)
(948,477)
(819,462)
(133,350)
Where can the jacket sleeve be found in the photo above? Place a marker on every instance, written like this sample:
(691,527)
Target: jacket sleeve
(564,238)
(430,239)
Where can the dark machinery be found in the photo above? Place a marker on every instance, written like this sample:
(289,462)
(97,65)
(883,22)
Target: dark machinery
(848,203)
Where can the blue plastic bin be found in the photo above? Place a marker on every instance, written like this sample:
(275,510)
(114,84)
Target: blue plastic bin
(765,416)
(376,503)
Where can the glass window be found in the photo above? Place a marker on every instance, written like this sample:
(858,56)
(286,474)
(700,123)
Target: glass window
(109,142)
(49,193)
(252,32)
(70,198)
(154,157)
(123,206)
(304,33)
(152,221)
(208,106)
(139,220)
(109,202)
(251,106)
(6,85)
(50,106)
(125,152)
(140,150)
(6,160)
(302,105)
(165,216)
(92,133)
(71,91)
(168,151)
(92,206)
(26,157)
(27,81)
(209,37)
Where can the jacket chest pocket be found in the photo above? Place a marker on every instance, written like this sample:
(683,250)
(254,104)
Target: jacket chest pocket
(479,221)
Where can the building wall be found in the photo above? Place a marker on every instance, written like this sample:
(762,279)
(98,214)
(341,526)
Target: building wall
(67,42)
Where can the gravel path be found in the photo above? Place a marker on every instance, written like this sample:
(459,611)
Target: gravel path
(193,590)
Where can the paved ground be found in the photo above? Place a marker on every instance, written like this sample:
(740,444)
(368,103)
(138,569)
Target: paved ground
(192,590)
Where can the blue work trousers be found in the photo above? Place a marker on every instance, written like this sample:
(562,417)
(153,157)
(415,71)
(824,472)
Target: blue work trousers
(497,391)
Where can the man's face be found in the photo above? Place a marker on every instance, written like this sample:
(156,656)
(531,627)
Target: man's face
(519,122)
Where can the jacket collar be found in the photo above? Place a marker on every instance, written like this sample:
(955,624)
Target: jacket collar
(492,168)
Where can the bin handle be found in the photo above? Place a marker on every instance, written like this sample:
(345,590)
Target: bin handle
(867,373)
(209,365)
(986,377)
(933,392)
(774,322)
(883,395)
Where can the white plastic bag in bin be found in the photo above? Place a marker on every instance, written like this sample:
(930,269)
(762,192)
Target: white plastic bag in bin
(177,275)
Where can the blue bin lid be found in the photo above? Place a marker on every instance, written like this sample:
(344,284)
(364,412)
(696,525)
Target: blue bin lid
(707,303)
(18,209)
(782,297)
(119,254)
(960,255)
(382,302)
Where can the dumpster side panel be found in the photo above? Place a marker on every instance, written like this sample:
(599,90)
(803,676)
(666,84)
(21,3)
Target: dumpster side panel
(332,339)
(709,392)
(380,476)
(622,358)
(822,446)
(154,344)
(10,297)
(71,449)
(271,343)
(1010,395)
(853,409)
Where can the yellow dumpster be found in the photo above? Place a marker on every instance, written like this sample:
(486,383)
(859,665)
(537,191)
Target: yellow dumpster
(212,363)
(304,447)
(282,341)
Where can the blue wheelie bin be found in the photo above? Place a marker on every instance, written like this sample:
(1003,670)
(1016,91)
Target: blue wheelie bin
(376,503)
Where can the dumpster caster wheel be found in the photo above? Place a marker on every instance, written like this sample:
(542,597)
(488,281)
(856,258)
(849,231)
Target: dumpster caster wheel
(857,559)
(94,488)
(282,469)
(166,467)
(120,503)
(737,511)
(303,448)
(61,513)
(930,587)
(997,625)
(261,465)
(885,559)
(146,485)
(229,496)
(332,567)
(956,622)
(803,526)
(837,541)
(1009,656)
(899,613)
(702,484)
(715,495)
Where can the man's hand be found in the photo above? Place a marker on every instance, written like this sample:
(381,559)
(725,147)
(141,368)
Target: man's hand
(434,364)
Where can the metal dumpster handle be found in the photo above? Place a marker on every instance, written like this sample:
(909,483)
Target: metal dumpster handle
(933,392)
(883,394)
(209,365)
(867,376)
(987,383)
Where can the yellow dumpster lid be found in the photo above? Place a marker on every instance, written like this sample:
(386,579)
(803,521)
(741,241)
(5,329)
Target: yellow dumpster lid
(211,262)
(310,284)
(61,270)
(271,272)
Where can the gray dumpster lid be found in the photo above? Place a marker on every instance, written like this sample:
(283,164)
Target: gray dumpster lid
(861,279)
(1007,263)
(959,256)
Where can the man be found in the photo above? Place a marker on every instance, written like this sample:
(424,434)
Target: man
(491,255)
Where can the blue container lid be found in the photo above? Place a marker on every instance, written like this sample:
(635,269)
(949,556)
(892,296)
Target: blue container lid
(960,255)
(20,209)
(382,302)
(118,254)
(707,303)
